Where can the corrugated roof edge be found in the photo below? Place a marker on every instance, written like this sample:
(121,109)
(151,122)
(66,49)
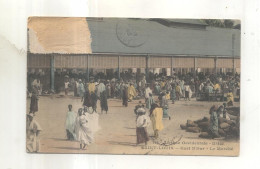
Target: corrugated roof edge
(140,54)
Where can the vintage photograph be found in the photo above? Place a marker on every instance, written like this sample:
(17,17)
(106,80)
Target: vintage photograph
(148,86)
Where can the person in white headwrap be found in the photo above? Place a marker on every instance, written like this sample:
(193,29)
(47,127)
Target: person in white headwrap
(141,126)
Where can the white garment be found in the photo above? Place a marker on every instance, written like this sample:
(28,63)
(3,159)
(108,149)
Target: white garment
(201,87)
(93,119)
(147,92)
(101,87)
(36,83)
(190,93)
(67,85)
(32,141)
(83,132)
(142,121)
(187,88)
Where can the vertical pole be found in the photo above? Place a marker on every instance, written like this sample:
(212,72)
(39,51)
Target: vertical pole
(88,68)
(195,67)
(215,64)
(52,73)
(195,73)
(118,68)
(147,67)
(233,53)
(171,66)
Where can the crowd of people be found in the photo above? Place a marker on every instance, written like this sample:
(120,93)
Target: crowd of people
(165,89)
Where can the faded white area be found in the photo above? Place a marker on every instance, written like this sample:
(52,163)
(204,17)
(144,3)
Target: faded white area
(59,35)
(13,21)
(34,42)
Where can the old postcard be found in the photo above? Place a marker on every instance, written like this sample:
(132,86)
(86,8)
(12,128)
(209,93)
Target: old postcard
(133,86)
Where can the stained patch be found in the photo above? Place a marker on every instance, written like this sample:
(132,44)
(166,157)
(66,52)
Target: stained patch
(59,35)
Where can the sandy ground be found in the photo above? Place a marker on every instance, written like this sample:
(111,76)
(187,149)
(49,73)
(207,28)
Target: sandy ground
(118,133)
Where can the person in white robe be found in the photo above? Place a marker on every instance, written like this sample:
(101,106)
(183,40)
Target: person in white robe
(33,130)
(100,88)
(82,130)
(81,88)
(70,124)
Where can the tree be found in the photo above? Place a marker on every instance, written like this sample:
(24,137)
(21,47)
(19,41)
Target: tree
(228,23)
(238,26)
(214,22)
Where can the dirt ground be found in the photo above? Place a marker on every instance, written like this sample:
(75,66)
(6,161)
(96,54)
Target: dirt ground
(118,132)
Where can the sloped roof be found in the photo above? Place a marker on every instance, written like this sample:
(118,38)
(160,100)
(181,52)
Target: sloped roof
(143,36)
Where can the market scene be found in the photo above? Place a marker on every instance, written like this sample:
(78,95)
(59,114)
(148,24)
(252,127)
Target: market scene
(125,86)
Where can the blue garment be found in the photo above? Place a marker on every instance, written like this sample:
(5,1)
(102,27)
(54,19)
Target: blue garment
(209,89)
(214,122)
(149,102)
(165,113)
(173,94)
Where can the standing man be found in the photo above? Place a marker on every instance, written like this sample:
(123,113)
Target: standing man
(143,84)
(149,101)
(124,95)
(147,93)
(173,93)
(81,89)
(66,86)
(178,92)
(102,94)
(100,88)
(103,101)
(187,92)
(182,86)
(76,84)
(34,102)
(70,123)
(33,130)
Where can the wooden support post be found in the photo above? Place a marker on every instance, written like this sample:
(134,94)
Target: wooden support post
(171,66)
(233,53)
(195,67)
(118,68)
(52,74)
(195,72)
(88,68)
(147,67)
(215,64)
